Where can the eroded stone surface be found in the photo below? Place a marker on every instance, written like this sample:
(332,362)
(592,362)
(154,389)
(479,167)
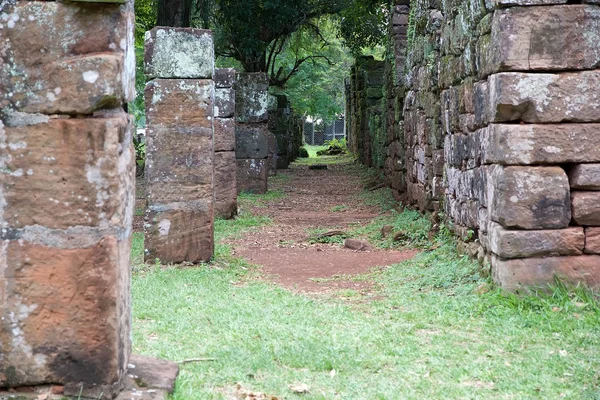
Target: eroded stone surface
(536,243)
(585,176)
(224,77)
(224,103)
(179,170)
(586,208)
(54,329)
(252,175)
(251,141)
(592,240)
(546,98)
(525,144)
(225,185)
(179,53)
(529,197)
(67,172)
(251,97)
(521,273)
(224,134)
(180,232)
(521,39)
(66,58)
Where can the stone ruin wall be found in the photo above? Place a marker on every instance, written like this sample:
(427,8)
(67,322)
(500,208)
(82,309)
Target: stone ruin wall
(66,194)
(180,98)
(252,137)
(225,177)
(500,118)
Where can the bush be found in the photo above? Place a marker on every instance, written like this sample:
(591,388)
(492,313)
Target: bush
(302,153)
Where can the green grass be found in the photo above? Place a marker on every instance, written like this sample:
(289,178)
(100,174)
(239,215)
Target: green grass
(260,200)
(339,208)
(435,329)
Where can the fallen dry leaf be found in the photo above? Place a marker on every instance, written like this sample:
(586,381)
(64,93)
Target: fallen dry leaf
(299,388)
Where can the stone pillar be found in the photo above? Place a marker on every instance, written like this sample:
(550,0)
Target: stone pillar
(67,192)
(224,143)
(179,149)
(251,132)
(280,127)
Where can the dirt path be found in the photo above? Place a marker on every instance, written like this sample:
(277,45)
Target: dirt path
(314,199)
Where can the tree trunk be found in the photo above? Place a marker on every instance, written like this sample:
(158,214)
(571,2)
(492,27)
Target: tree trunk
(175,13)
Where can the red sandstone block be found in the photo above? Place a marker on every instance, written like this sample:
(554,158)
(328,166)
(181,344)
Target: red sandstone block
(539,272)
(184,104)
(179,233)
(67,58)
(529,197)
(544,98)
(592,240)
(586,208)
(65,317)
(252,175)
(224,136)
(521,41)
(68,172)
(536,243)
(225,185)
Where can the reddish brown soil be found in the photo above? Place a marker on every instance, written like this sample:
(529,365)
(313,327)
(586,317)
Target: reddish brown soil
(282,249)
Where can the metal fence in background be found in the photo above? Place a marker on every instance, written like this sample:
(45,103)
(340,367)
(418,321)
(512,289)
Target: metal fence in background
(317,135)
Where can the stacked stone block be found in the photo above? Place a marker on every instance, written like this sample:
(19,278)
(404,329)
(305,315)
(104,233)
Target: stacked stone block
(515,104)
(252,136)
(225,177)
(179,148)
(395,88)
(500,117)
(280,125)
(67,191)
(366,135)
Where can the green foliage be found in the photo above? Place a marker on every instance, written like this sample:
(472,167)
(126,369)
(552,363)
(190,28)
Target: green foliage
(317,88)
(337,143)
(256,32)
(145,19)
(364,25)
(302,152)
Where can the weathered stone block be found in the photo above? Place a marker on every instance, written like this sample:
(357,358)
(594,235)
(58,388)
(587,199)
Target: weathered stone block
(66,58)
(184,104)
(529,197)
(225,185)
(252,175)
(586,208)
(180,232)
(592,240)
(540,144)
(67,172)
(547,98)
(521,41)
(178,157)
(251,141)
(56,329)
(585,176)
(251,97)
(179,53)
(527,272)
(272,153)
(224,77)
(224,103)
(179,170)
(538,243)
(224,136)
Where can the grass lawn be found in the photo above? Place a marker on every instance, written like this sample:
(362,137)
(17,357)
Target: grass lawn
(436,328)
